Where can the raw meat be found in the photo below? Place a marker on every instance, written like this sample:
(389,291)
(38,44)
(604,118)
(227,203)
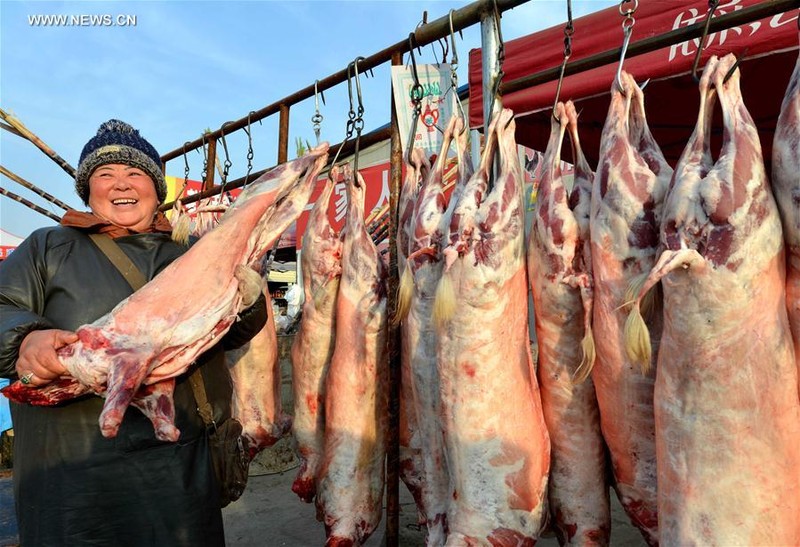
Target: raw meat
(786,185)
(156,333)
(627,199)
(561,285)
(313,344)
(727,409)
(351,477)
(424,266)
(497,446)
(411,467)
(256,376)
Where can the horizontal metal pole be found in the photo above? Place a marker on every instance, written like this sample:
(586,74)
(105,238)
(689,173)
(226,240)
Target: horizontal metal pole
(425,34)
(677,36)
(374,137)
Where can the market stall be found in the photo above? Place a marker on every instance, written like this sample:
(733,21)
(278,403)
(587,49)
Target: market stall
(491,396)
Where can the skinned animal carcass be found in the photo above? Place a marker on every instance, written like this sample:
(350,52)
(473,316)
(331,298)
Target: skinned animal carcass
(351,476)
(627,198)
(726,404)
(314,342)
(561,285)
(498,452)
(130,360)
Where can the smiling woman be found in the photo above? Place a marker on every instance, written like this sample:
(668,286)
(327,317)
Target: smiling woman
(153,491)
(123,195)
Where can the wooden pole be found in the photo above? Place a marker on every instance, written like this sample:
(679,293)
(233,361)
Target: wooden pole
(393,443)
(210,162)
(29,204)
(25,132)
(10,129)
(283,134)
(34,188)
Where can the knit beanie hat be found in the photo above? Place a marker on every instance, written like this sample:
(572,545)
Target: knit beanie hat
(118,142)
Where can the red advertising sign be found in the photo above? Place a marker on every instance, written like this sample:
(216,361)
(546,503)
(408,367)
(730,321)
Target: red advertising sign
(376,179)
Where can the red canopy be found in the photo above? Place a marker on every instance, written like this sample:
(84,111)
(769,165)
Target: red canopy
(671,97)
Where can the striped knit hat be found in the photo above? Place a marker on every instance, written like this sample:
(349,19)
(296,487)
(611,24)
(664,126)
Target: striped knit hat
(118,142)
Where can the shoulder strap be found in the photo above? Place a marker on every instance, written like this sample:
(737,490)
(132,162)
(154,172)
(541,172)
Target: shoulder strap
(136,280)
(199,389)
(120,260)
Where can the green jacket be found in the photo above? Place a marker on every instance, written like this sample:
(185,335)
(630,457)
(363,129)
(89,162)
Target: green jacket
(72,486)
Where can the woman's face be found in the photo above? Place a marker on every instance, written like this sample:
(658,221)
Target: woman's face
(124,195)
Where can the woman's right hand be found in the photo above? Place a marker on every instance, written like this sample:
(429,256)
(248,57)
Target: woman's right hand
(37,355)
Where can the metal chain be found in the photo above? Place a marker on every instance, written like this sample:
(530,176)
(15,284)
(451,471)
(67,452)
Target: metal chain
(205,159)
(185,172)
(250,154)
(226,165)
(501,57)
(569,30)
(629,20)
(358,122)
(627,30)
(316,119)
(415,94)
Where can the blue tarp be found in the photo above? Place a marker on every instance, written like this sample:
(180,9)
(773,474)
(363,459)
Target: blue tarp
(5,414)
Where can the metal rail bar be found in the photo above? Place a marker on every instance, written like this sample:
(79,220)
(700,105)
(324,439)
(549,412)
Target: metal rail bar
(425,34)
(29,204)
(379,135)
(647,45)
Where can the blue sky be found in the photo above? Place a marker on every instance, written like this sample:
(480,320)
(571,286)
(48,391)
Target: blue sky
(191,65)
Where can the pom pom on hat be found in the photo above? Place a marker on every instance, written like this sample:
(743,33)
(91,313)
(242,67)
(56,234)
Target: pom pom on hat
(118,142)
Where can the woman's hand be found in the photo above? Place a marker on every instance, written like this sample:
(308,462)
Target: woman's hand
(38,362)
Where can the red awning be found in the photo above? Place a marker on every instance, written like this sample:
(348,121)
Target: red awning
(671,97)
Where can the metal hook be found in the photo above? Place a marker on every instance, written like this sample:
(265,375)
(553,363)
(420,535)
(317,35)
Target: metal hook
(445,50)
(415,94)
(628,30)
(185,171)
(358,123)
(412,39)
(712,7)
(318,94)
(336,157)
(185,159)
(454,58)
(735,65)
(569,30)
(454,73)
(226,165)
(249,148)
(351,118)
(316,119)
(500,53)
(358,83)
(350,86)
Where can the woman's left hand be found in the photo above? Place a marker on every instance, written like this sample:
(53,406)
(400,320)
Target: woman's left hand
(38,363)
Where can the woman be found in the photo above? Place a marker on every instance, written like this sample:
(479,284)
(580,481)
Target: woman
(73,486)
